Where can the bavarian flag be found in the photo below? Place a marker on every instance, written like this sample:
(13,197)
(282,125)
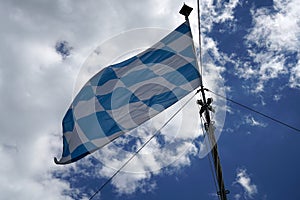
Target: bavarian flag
(123,96)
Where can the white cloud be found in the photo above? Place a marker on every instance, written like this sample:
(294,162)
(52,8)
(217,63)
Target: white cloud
(237,196)
(35,89)
(277,97)
(152,160)
(244,180)
(25,171)
(277,30)
(253,122)
(275,35)
(217,12)
(295,76)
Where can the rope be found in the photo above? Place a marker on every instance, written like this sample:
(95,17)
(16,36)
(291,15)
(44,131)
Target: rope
(200,43)
(257,112)
(157,132)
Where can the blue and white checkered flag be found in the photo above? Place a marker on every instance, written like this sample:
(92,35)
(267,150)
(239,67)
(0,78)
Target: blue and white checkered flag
(123,96)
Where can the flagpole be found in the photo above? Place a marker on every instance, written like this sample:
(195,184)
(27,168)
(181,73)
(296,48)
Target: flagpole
(205,109)
(209,128)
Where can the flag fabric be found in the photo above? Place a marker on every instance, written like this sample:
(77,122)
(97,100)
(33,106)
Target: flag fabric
(123,96)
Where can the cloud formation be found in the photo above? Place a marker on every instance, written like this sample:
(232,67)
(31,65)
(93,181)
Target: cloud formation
(244,180)
(250,120)
(273,45)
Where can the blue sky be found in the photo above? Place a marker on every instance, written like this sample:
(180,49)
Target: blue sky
(251,54)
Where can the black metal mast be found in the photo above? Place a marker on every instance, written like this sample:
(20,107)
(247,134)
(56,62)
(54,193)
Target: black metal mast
(206,109)
(209,128)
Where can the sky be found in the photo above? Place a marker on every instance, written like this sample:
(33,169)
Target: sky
(250,54)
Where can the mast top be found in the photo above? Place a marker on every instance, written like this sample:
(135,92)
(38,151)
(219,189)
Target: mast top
(185,11)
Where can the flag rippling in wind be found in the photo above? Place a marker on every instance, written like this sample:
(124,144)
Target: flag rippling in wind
(123,96)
